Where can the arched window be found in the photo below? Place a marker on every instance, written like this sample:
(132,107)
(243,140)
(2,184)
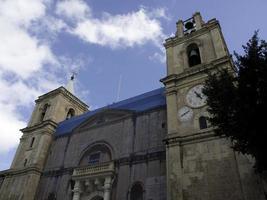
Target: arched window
(32,141)
(97,154)
(43,112)
(70,114)
(136,192)
(203,122)
(94,158)
(193,55)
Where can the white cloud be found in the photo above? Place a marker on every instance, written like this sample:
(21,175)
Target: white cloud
(21,12)
(10,125)
(21,53)
(73,9)
(159,13)
(28,66)
(158,56)
(48,28)
(22,60)
(126,30)
(121,30)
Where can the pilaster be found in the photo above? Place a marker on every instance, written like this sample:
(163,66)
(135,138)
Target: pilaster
(171,98)
(76,190)
(107,188)
(174,172)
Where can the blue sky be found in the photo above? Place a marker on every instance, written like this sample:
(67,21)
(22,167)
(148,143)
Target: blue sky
(104,41)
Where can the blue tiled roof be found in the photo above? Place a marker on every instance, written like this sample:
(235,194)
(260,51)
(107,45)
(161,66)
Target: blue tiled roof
(140,103)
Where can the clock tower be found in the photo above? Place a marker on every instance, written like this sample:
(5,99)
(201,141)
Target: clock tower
(193,151)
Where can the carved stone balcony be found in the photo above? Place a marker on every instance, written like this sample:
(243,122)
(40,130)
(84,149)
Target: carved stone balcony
(95,170)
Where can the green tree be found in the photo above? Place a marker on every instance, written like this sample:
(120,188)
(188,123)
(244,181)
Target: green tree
(237,102)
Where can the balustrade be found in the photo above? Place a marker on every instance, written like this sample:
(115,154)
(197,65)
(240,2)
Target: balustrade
(95,169)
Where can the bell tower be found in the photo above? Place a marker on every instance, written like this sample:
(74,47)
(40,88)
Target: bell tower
(198,47)
(51,108)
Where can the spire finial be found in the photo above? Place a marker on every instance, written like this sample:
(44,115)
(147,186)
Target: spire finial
(70,84)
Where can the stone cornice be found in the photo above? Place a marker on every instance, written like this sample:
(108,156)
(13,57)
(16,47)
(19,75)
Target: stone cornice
(47,125)
(173,139)
(58,171)
(171,91)
(173,78)
(4,173)
(173,41)
(67,94)
(22,171)
(130,160)
(135,159)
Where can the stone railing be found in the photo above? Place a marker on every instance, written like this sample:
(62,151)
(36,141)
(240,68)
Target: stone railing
(96,169)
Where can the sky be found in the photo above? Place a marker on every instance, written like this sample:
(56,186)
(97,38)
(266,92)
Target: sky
(114,46)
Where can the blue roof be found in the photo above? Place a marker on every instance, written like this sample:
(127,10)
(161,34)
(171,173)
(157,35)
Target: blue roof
(140,103)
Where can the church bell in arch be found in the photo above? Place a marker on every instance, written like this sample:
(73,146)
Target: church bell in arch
(194,57)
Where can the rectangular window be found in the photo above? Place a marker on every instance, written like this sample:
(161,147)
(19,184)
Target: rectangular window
(94,158)
(32,141)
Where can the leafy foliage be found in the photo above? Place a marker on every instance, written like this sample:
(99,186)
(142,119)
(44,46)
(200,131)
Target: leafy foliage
(238,102)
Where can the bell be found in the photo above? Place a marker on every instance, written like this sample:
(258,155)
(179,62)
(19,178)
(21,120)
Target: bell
(189,25)
(193,53)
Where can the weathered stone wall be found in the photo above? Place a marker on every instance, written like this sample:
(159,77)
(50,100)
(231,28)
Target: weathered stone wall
(21,186)
(136,145)
(213,171)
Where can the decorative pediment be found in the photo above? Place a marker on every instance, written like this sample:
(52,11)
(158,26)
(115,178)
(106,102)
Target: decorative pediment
(103,117)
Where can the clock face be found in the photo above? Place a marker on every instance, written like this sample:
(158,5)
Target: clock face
(195,98)
(185,113)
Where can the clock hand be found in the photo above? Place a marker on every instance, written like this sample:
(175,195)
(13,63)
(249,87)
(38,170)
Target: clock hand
(198,95)
(185,113)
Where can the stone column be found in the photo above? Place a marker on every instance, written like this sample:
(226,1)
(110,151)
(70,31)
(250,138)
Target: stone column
(180,29)
(76,190)
(174,172)
(198,20)
(107,188)
(173,160)
(171,97)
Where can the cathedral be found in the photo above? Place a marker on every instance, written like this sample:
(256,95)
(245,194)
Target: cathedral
(154,146)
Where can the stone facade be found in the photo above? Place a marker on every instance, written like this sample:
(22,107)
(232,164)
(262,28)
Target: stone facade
(200,165)
(137,154)
(150,147)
